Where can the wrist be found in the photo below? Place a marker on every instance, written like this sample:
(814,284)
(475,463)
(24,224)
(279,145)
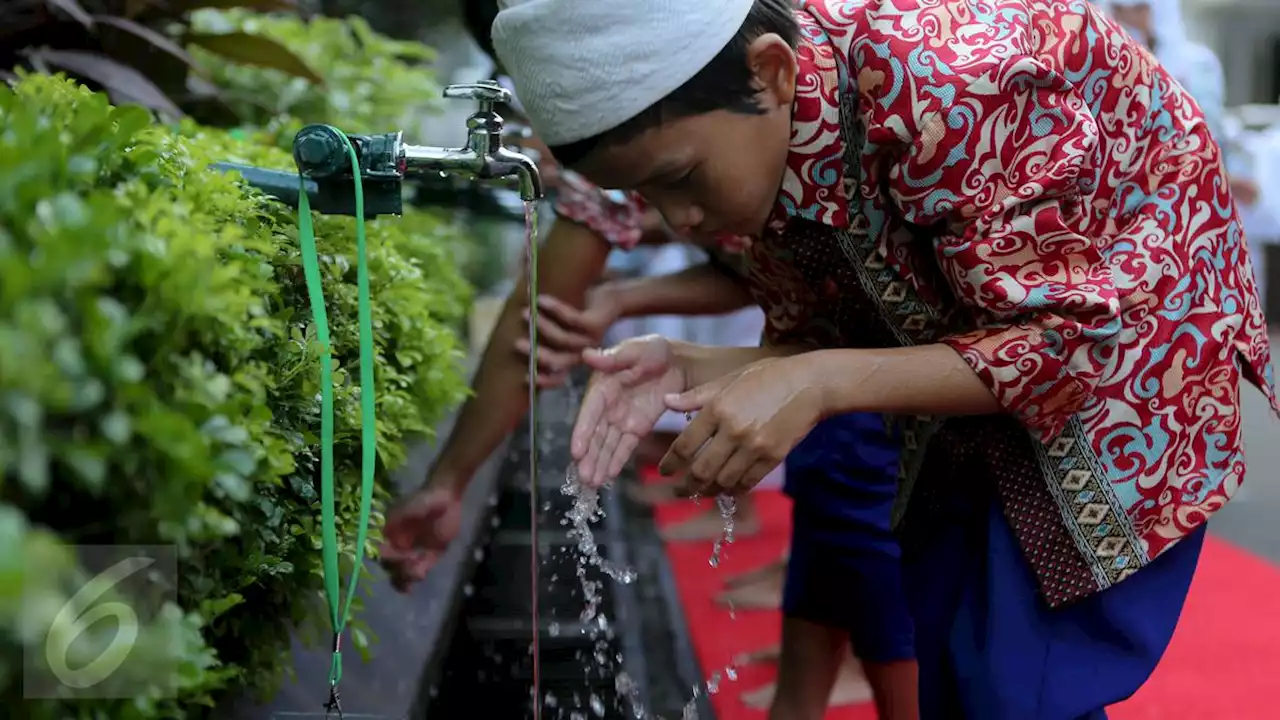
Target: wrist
(837,376)
(608,299)
(446,477)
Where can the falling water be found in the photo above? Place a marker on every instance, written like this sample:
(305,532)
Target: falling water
(531,260)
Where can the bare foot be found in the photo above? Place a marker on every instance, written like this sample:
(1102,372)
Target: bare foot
(764,572)
(770,654)
(851,688)
(651,494)
(764,594)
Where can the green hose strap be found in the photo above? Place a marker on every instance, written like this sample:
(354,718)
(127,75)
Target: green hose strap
(339,609)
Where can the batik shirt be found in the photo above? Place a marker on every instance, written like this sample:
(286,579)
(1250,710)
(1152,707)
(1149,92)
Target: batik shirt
(1019,181)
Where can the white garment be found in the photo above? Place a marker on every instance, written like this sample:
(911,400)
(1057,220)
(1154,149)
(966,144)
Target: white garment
(582,67)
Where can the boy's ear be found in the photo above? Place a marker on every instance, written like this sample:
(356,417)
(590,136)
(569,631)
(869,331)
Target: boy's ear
(774,66)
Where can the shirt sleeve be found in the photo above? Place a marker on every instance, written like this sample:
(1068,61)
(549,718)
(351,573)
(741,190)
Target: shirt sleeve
(617,217)
(996,173)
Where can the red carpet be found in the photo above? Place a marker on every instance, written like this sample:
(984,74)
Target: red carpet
(1222,665)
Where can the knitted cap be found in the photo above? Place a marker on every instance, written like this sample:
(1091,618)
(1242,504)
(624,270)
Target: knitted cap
(583,67)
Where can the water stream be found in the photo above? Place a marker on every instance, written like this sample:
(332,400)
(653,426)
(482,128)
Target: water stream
(531,256)
(585,511)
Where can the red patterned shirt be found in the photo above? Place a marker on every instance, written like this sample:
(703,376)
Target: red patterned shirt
(1021,182)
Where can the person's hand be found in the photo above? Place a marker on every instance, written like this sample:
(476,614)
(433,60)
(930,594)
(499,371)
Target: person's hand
(1244,190)
(564,332)
(622,404)
(417,531)
(746,425)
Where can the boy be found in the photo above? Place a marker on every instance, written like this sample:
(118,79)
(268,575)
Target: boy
(1001,220)
(588,227)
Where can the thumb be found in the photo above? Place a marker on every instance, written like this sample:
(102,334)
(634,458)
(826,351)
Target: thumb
(692,400)
(612,360)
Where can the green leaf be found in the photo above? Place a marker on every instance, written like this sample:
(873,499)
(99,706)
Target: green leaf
(256,50)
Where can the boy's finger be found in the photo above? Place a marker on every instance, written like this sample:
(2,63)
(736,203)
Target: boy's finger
(550,361)
(588,468)
(732,475)
(562,312)
(608,446)
(626,448)
(681,454)
(555,335)
(589,416)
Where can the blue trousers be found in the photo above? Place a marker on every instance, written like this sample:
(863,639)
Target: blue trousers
(990,649)
(844,569)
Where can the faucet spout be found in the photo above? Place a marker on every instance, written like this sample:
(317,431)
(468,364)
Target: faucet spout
(505,163)
(485,157)
(488,162)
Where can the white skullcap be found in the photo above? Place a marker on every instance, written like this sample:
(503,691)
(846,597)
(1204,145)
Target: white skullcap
(583,67)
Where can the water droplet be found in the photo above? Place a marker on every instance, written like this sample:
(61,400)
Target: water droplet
(553,629)
(597,705)
(468,590)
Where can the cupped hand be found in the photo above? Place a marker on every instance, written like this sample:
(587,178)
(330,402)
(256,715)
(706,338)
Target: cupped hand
(564,332)
(623,402)
(746,424)
(417,531)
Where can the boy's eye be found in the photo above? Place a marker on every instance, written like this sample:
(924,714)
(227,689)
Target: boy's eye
(683,180)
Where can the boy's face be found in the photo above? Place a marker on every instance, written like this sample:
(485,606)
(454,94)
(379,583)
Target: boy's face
(715,173)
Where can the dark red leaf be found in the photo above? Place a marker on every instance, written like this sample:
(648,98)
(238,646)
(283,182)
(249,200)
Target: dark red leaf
(122,83)
(72,8)
(146,33)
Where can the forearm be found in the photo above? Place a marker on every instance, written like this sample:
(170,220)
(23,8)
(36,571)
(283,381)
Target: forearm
(498,400)
(704,363)
(925,380)
(572,259)
(700,290)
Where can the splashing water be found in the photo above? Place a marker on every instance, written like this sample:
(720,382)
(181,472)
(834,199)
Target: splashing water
(586,510)
(531,258)
(728,506)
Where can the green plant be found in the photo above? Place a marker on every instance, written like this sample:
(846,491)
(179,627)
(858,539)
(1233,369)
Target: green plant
(133,49)
(158,385)
(373,84)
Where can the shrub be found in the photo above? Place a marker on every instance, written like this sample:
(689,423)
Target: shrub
(132,49)
(158,385)
(373,84)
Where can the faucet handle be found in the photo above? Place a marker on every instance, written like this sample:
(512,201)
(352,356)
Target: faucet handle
(486,93)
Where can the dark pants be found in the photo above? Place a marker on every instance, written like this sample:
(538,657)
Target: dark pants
(844,570)
(989,648)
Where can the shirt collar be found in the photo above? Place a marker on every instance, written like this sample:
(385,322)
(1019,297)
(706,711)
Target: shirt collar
(813,185)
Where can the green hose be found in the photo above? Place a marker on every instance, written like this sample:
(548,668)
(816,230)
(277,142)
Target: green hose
(339,608)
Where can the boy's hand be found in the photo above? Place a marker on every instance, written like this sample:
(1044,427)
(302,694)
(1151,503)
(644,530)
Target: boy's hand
(417,531)
(623,402)
(564,332)
(745,427)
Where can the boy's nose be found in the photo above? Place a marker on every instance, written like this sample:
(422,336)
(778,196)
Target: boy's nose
(684,220)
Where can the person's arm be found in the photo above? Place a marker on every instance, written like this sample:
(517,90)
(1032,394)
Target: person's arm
(699,290)
(570,262)
(1005,218)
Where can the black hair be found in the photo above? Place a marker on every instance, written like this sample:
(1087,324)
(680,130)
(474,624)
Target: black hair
(726,83)
(478,16)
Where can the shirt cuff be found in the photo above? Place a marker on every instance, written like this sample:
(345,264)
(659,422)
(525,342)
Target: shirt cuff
(1020,368)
